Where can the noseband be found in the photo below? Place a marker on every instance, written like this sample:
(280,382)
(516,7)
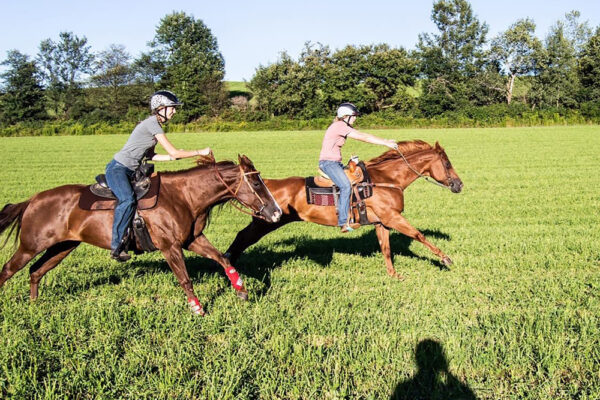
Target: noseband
(243,178)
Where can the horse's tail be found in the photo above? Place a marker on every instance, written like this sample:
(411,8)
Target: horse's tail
(11,216)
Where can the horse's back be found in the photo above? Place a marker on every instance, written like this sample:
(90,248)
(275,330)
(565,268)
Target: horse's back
(53,216)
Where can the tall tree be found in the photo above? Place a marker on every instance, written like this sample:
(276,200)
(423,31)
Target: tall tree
(589,68)
(514,50)
(452,58)
(556,83)
(113,78)
(23,97)
(194,67)
(578,33)
(62,64)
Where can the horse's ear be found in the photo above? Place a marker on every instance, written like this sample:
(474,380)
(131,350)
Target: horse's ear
(437,145)
(245,161)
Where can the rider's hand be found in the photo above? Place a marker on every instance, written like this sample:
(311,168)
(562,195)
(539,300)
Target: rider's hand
(392,144)
(204,152)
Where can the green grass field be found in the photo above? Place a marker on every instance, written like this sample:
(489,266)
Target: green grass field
(515,317)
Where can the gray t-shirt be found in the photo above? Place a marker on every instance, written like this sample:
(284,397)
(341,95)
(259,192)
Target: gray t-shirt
(141,139)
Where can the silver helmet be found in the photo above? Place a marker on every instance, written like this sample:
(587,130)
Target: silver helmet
(163,98)
(347,109)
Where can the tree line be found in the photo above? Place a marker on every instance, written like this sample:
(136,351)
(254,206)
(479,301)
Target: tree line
(456,70)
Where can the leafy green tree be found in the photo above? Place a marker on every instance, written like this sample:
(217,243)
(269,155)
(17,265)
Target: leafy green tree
(589,68)
(374,77)
(149,69)
(557,82)
(23,97)
(451,60)
(277,87)
(578,33)
(514,50)
(193,66)
(113,81)
(63,64)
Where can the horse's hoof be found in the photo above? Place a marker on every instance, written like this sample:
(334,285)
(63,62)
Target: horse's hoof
(242,294)
(196,307)
(399,277)
(447,261)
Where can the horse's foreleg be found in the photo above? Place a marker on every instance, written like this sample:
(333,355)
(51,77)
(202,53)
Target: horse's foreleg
(383,235)
(50,259)
(16,262)
(399,223)
(252,234)
(203,247)
(174,257)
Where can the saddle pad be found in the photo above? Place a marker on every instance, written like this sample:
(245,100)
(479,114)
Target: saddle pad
(89,201)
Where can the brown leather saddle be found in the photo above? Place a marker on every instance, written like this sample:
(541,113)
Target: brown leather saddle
(321,191)
(354,173)
(99,196)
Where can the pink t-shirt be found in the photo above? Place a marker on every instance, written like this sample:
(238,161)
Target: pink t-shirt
(334,139)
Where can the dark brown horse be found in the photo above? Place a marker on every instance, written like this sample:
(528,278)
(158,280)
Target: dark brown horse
(52,221)
(391,173)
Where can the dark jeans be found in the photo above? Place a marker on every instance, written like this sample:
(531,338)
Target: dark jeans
(335,170)
(117,177)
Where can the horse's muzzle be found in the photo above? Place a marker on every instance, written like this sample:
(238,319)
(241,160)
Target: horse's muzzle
(456,185)
(269,214)
(276,216)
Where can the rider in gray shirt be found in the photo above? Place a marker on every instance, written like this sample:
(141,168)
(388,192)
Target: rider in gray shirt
(120,170)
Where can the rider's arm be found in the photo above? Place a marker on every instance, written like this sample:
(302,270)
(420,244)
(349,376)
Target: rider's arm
(368,138)
(173,153)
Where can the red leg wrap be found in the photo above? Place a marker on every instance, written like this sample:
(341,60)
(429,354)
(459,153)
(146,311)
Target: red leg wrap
(234,277)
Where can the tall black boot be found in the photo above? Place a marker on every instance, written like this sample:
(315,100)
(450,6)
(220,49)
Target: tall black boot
(119,253)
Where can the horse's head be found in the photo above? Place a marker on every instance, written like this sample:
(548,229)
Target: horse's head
(442,171)
(254,193)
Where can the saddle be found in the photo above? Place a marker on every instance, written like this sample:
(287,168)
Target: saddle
(321,191)
(146,186)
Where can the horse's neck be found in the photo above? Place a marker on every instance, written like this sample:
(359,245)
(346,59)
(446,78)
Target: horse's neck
(203,189)
(399,171)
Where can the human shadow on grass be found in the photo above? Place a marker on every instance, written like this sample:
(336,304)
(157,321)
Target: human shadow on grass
(432,380)
(258,261)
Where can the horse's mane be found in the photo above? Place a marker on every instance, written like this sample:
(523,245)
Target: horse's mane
(203,162)
(406,147)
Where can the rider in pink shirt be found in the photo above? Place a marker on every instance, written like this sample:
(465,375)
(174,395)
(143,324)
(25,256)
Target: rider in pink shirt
(330,159)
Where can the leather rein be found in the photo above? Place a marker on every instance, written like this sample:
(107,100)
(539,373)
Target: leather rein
(419,175)
(243,178)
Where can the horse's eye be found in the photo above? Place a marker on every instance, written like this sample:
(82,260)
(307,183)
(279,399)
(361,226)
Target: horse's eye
(256,184)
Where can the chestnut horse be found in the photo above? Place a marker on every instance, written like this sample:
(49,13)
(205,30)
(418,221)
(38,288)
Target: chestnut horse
(52,221)
(390,173)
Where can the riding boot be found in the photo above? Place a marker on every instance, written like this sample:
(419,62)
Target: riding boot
(119,253)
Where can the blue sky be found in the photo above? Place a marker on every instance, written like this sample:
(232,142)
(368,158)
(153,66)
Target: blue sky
(254,33)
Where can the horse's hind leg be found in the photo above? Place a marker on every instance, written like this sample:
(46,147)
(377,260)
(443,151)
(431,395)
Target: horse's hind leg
(252,234)
(203,247)
(383,235)
(50,259)
(174,257)
(16,262)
